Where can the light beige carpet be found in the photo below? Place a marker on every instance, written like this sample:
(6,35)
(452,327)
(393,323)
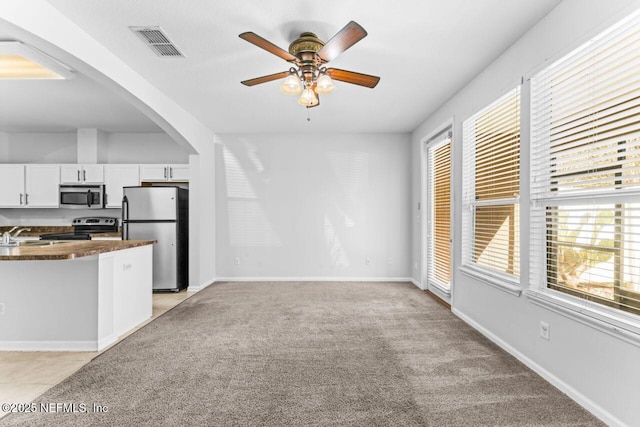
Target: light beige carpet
(274,354)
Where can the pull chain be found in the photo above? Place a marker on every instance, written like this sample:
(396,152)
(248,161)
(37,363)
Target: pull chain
(308,118)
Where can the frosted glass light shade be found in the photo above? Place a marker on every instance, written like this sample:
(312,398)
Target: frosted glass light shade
(308,98)
(291,85)
(324,84)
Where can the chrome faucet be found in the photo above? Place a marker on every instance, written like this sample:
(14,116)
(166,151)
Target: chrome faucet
(10,240)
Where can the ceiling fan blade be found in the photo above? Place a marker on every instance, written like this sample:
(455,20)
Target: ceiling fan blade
(264,79)
(353,77)
(351,34)
(267,45)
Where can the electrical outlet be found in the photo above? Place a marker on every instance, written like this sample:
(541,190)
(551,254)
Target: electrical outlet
(390,261)
(545,330)
(237,260)
(367,261)
(1,308)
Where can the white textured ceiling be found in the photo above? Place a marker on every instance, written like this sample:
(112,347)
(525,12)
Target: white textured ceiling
(423,50)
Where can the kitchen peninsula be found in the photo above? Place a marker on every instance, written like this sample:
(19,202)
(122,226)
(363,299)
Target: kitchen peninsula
(73,295)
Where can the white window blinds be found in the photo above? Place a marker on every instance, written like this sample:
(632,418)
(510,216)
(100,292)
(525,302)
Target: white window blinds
(585,170)
(439,214)
(491,140)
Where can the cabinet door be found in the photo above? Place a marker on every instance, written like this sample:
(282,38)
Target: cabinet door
(11,186)
(132,287)
(154,172)
(179,172)
(70,174)
(93,174)
(42,186)
(116,177)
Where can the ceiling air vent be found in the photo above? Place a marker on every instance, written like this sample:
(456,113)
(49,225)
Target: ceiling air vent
(157,41)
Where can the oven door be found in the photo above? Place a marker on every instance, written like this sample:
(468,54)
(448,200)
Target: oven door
(82,196)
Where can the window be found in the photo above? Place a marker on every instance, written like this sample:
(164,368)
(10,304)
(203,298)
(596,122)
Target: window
(491,140)
(439,212)
(585,166)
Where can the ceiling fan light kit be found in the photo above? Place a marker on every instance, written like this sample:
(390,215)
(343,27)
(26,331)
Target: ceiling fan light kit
(291,84)
(309,54)
(324,84)
(308,98)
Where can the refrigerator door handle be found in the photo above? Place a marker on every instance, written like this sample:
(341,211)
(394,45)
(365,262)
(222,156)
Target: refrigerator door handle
(125,218)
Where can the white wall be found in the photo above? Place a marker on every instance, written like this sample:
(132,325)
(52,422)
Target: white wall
(41,147)
(313,206)
(116,147)
(600,370)
(143,147)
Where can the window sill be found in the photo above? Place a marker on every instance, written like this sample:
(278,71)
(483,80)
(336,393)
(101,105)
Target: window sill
(503,283)
(616,325)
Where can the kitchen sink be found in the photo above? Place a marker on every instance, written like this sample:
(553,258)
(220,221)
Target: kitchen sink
(15,249)
(40,242)
(31,243)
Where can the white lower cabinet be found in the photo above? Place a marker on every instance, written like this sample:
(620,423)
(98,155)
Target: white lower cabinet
(116,177)
(80,304)
(29,186)
(132,287)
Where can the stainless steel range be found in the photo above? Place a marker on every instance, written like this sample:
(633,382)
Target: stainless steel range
(84,227)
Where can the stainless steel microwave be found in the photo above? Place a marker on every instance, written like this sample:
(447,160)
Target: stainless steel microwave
(82,196)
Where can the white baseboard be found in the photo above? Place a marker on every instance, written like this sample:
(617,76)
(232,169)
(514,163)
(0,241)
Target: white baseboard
(418,284)
(55,345)
(106,342)
(313,279)
(580,398)
(201,286)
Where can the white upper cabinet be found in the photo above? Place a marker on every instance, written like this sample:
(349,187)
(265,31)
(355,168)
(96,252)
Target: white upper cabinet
(179,172)
(29,186)
(173,172)
(115,178)
(42,186)
(82,174)
(154,173)
(11,186)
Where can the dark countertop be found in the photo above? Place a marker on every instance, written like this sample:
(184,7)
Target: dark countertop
(36,231)
(68,249)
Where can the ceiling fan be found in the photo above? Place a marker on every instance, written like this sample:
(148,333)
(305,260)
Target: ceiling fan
(309,77)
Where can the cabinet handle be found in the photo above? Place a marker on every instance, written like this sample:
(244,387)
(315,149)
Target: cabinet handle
(20,199)
(165,172)
(170,172)
(26,199)
(84,175)
(78,175)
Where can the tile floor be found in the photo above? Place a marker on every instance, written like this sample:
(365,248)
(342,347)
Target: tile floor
(25,375)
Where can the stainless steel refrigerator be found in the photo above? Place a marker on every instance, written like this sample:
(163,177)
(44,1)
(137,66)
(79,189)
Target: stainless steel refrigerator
(162,214)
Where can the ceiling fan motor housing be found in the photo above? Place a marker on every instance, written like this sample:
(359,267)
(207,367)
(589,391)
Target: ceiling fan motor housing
(307,42)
